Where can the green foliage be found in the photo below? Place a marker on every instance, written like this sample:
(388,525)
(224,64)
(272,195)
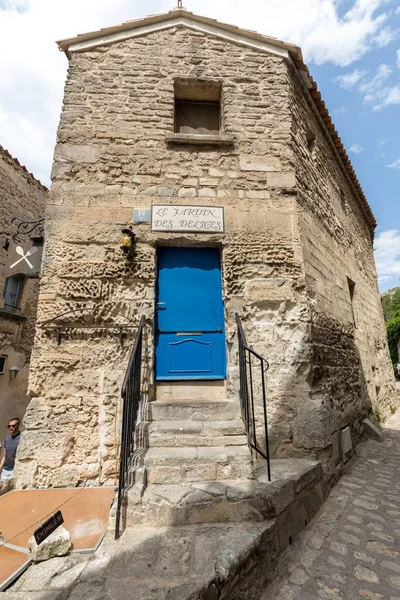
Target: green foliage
(378,415)
(391,305)
(393,334)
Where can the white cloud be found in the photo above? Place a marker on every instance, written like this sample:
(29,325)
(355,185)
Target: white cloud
(395,164)
(387,254)
(356,148)
(33,71)
(385,36)
(18,5)
(323,34)
(349,80)
(377,91)
(388,96)
(381,142)
(371,87)
(393,96)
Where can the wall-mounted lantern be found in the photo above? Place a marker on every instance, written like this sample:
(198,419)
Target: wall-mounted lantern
(128,243)
(14,372)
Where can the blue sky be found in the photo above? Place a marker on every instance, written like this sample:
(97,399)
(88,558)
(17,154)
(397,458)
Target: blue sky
(352,48)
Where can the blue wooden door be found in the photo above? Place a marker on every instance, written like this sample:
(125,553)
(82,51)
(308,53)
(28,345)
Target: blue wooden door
(190,335)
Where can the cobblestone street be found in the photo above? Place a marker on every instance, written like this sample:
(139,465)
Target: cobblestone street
(352,548)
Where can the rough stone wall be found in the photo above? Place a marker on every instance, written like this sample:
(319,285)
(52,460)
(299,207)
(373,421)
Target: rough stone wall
(112,156)
(22,197)
(350,373)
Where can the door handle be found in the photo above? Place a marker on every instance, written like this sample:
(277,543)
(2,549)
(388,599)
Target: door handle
(161,305)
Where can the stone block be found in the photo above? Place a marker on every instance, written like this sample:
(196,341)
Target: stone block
(57,544)
(312,424)
(259,163)
(187,193)
(213,172)
(258,194)
(269,289)
(372,431)
(165,192)
(207,193)
(194,411)
(77,153)
(285,179)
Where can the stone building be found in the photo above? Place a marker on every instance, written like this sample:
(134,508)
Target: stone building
(256,210)
(21,209)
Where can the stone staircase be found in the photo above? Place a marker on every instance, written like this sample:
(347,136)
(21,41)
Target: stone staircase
(198,469)
(197,441)
(197,457)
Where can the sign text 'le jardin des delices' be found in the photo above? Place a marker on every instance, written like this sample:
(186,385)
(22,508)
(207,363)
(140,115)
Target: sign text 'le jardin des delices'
(195,219)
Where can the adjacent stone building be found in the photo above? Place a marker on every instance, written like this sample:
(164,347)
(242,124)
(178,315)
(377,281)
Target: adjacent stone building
(21,209)
(222,133)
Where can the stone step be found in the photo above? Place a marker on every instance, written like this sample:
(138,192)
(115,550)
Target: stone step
(186,464)
(296,482)
(196,433)
(224,410)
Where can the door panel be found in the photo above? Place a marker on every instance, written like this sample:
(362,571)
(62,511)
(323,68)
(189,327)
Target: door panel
(190,337)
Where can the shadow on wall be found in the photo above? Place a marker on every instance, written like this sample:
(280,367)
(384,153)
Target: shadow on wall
(323,389)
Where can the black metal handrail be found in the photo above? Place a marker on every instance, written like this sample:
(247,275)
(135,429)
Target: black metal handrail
(247,393)
(131,395)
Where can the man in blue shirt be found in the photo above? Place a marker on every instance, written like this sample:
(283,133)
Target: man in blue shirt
(10,450)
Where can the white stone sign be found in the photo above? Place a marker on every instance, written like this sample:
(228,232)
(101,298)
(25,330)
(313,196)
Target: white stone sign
(194,219)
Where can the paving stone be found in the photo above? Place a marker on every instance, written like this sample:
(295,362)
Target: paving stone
(391,565)
(364,557)
(394,580)
(355,541)
(298,577)
(370,595)
(364,574)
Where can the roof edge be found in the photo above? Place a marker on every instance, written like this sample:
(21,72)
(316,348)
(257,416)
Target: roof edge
(16,164)
(65,44)
(316,97)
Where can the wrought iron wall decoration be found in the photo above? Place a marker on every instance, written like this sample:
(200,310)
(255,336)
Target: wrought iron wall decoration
(27,227)
(23,228)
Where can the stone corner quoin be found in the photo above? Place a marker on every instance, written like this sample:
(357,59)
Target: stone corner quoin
(296,253)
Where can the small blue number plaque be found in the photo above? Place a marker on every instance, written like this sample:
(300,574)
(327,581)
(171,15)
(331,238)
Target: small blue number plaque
(141,215)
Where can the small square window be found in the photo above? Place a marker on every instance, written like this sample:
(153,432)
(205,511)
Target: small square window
(3,360)
(197,107)
(343,202)
(310,142)
(197,117)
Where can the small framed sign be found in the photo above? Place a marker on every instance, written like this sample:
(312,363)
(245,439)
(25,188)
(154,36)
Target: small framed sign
(141,215)
(43,532)
(24,258)
(193,219)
